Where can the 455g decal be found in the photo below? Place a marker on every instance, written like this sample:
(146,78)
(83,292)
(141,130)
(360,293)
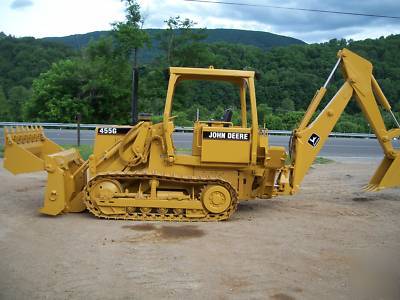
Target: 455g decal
(113,130)
(107,130)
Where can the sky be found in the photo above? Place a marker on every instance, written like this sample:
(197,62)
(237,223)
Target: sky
(43,18)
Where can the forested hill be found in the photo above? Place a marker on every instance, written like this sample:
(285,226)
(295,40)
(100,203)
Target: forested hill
(260,39)
(21,61)
(263,40)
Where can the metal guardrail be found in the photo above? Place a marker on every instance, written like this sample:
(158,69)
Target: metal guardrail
(177,129)
(50,125)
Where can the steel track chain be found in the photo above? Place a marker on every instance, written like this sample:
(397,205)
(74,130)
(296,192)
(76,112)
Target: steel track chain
(138,216)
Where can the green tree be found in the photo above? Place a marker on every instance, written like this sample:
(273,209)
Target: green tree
(346,126)
(4,107)
(129,35)
(287,105)
(274,122)
(292,119)
(57,94)
(180,43)
(107,86)
(23,59)
(263,113)
(95,85)
(18,96)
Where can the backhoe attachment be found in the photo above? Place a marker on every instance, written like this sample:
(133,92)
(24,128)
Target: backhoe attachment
(308,139)
(27,150)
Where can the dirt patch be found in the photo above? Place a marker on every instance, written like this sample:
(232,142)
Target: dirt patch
(163,232)
(181,232)
(282,296)
(377,196)
(362,199)
(141,227)
(297,290)
(235,283)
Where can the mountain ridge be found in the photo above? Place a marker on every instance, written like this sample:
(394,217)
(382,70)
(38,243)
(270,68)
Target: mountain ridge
(260,39)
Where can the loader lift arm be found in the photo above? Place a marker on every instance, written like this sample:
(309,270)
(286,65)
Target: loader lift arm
(308,139)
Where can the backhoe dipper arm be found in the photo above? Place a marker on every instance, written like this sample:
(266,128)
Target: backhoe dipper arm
(309,138)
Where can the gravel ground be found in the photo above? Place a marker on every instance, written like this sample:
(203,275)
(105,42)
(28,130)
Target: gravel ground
(330,241)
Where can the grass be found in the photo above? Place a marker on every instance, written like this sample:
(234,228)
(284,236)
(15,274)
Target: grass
(318,161)
(84,150)
(1,150)
(184,150)
(322,161)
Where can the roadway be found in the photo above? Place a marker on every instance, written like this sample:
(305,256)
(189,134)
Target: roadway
(334,147)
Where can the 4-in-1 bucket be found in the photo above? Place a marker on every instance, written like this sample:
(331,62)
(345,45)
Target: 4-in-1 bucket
(27,150)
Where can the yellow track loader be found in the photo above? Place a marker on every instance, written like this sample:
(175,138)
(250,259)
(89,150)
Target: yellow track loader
(136,173)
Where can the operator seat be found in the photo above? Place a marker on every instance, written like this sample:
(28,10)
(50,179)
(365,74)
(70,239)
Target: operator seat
(227,117)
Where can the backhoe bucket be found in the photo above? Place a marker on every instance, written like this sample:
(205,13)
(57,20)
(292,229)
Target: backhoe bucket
(25,149)
(387,175)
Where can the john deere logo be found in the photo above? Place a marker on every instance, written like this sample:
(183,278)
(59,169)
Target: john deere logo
(313,140)
(233,136)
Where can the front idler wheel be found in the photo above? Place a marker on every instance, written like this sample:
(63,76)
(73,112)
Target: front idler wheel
(105,190)
(216,199)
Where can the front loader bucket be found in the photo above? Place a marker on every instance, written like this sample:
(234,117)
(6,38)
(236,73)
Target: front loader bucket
(25,149)
(66,180)
(387,175)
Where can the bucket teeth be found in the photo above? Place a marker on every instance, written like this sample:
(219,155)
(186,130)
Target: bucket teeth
(371,188)
(24,134)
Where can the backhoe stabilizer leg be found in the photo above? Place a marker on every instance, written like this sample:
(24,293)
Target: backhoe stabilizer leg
(386,176)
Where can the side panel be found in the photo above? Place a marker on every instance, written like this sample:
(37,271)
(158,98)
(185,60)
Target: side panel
(225,144)
(106,145)
(107,136)
(245,182)
(231,176)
